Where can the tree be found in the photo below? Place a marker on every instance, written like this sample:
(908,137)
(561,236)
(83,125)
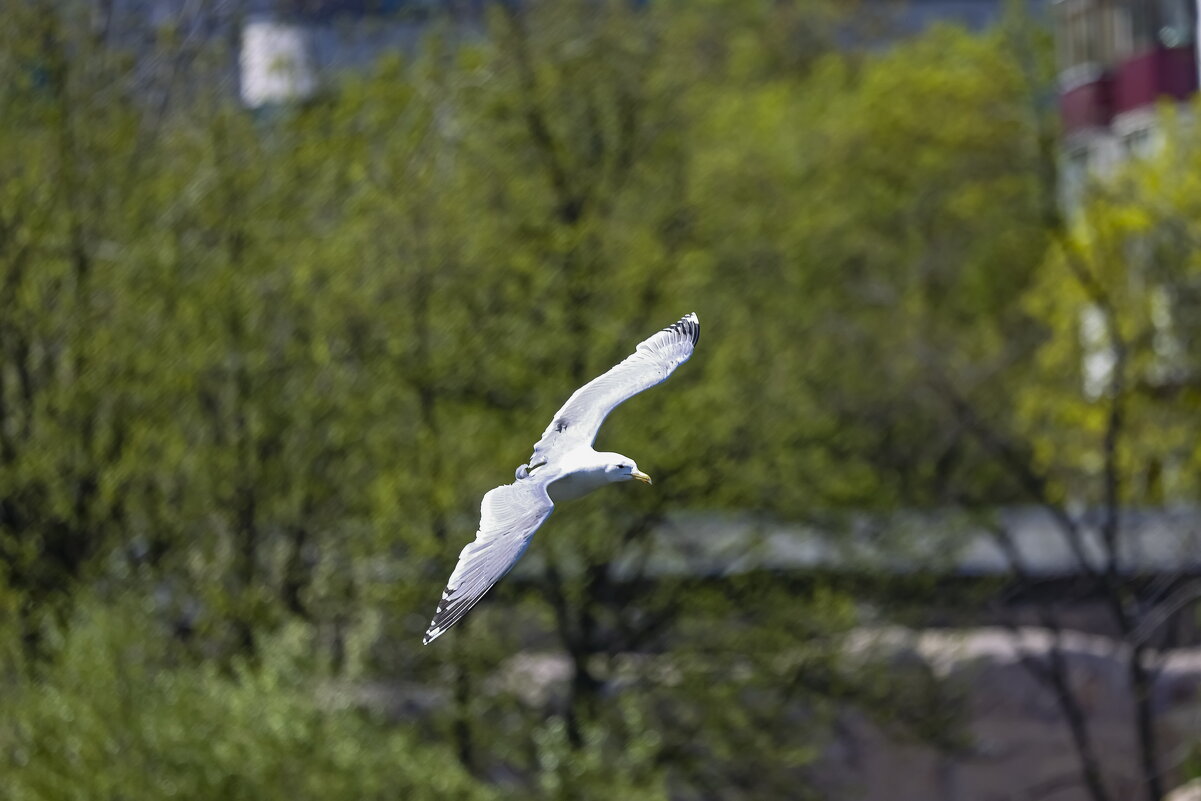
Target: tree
(1104,429)
(259,369)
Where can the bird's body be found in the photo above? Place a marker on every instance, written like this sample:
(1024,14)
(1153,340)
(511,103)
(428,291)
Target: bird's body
(563,467)
(585,470)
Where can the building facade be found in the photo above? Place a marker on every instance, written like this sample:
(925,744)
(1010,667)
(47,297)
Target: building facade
(1118,59)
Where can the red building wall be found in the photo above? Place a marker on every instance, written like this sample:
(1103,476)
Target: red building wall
(1135,83)
(1086,105)
(1146,78)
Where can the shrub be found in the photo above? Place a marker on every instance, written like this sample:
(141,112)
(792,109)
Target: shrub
(118,713)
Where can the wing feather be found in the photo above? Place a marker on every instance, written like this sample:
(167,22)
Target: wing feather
(655,358)
(509,516)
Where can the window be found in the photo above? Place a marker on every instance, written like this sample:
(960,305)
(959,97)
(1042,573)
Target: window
(1079,35)
(1122,16)
(1074,175)
(1078,162)
(1142,25)
(1137,143)
(1108,31)
(1175,23)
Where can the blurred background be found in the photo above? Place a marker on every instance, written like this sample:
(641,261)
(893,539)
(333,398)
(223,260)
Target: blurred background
(285,287)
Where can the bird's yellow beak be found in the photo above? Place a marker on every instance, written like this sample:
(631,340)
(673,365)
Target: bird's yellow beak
(641,476)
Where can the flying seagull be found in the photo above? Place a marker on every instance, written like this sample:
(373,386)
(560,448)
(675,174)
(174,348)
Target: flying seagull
(563,467)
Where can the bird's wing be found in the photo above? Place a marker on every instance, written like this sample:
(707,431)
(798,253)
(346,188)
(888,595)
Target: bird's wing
(509,516)
(578,422)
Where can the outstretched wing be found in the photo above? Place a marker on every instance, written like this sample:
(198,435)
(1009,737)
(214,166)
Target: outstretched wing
(578,422)
(509,516)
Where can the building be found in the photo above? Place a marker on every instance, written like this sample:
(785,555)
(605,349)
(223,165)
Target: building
(288,48)
(1118,59)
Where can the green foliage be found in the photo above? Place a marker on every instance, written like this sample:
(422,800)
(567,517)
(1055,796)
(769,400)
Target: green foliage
(262,368)
(1122,286)
(119,713)
(599,768)
(903,228)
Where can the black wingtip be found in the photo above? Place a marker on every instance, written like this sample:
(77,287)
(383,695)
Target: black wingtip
(689,325)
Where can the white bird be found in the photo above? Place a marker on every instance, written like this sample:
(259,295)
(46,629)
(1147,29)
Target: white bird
(563,467)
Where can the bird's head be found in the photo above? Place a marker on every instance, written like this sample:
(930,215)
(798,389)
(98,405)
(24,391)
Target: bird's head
(623,468)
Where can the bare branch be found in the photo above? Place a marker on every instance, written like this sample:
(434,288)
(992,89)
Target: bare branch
(1031,480)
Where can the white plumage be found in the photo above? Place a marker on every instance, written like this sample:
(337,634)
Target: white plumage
(563,466)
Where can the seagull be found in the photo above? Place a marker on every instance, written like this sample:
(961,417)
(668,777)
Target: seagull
(563,467)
